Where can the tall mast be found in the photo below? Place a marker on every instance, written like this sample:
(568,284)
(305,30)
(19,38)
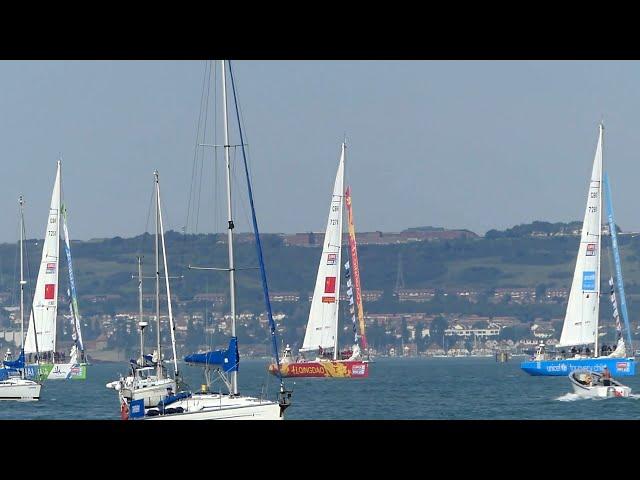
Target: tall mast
(168,289)
(22,282)
(595,346)
(159,364)
(336,330)
(59,202)
(140,320)
(232,282)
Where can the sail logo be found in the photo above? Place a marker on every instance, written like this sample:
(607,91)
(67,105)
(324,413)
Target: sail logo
(589,281)
(49,291)
(51,268)
(622,366)
(330,285)
(591,249)
(328,299)
(332,258)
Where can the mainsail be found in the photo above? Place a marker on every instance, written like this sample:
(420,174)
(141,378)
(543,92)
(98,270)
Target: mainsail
(322,327)
(45,298)
(581,319)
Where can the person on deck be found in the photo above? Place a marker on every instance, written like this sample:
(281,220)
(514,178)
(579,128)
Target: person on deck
(606,377)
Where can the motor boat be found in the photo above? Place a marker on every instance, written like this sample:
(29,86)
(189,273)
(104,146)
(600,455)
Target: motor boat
(591,384)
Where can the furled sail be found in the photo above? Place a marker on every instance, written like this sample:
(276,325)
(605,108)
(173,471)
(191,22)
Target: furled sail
(45,298)
(581,319)
(322,326)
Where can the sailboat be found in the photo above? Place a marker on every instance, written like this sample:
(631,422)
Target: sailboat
(231,405)
(580,328)
(321,336)
(13,382)
(44,311)
(149,382)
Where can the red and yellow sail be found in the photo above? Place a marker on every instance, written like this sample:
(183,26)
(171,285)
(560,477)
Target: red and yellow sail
(354,267)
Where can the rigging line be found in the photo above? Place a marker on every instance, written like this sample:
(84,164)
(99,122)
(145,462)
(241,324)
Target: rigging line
(15,290)
(215,189)
(195,148)
(263,274)
(186,240)
(146,226)
(243,206)
(202,155)
(30,292)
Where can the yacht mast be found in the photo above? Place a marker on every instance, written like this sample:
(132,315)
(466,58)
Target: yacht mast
(168,289)
(140,319)
(336,331)
(232,282)
(159,350)
(59,201)
(22,282)
(595,346)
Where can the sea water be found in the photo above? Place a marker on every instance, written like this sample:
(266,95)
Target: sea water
(397,388)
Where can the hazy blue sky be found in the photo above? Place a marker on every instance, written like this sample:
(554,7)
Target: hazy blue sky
(459,144)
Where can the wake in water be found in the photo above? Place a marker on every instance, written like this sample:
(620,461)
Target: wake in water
(572,397)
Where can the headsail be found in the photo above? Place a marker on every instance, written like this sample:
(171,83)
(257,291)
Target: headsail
(581,319)
(45,298)
(322,326)
(356,269)
(616,257)
(73,305)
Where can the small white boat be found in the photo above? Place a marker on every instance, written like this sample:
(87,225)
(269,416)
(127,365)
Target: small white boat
(590,384)
(16,388)
(13,384)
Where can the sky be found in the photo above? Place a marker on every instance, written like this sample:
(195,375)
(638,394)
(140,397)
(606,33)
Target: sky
(457,144)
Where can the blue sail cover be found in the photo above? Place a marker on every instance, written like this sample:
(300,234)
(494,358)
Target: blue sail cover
(168,400)
(228,359)
(136,409)
(148,361)
(18,363)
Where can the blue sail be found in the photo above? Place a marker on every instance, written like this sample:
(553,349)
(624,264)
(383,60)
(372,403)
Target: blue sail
(15,364)
(72,283)
(228,359)
(616,258)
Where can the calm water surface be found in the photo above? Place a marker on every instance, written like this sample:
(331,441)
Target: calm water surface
(403,388)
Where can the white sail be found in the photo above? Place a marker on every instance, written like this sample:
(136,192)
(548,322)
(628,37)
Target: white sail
(620,351)
(45,298)
(581,319)
(323,317)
